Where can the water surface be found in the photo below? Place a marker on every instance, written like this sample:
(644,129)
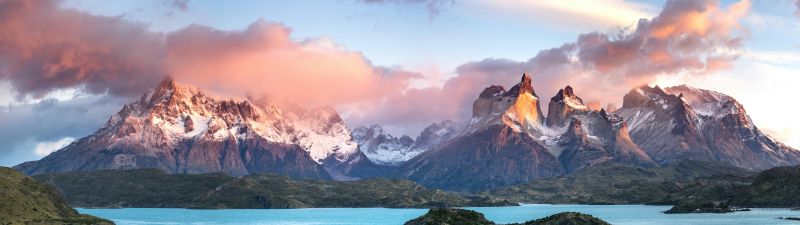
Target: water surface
(615,214)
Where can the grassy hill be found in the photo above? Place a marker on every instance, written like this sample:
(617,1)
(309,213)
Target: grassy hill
(154,188)
(27,201)
(776,187)
(612,183)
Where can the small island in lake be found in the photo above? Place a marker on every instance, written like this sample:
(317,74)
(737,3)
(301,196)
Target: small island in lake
(448,216)
(706,207)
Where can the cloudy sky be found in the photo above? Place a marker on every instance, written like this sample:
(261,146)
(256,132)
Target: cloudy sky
(66,66)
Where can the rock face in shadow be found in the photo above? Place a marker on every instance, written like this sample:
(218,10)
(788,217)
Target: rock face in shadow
(611,144)
(493,157)
(507,142)
(563,106)
(24,200)
(497,148)
(446,216)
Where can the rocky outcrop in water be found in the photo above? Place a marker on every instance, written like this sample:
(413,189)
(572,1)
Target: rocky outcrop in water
(446,216)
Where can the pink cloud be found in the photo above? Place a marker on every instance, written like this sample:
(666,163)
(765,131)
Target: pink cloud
(687,38)
(44,48)
(263,60)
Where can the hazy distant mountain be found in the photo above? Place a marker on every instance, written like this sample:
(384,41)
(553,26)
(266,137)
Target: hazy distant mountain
(180,129)
(384,149)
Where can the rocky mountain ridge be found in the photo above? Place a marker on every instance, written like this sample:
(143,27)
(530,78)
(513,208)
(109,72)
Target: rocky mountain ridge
(687,123)
(180,129)
(508,140)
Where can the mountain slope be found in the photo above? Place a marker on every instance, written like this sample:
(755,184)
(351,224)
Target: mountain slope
(493,157)
(687,123)
(497,148)
(180,129)
(27,201)
(776,187)
(508,141)
(591,137)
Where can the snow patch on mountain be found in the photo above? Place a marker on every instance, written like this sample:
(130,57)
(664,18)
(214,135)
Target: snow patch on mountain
(177,112)
(382,148)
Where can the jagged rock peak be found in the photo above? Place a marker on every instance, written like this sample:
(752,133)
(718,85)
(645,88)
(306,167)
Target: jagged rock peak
(564,105)
(567,96)
(563,93)
(492,91)
(524,86)
(568,91)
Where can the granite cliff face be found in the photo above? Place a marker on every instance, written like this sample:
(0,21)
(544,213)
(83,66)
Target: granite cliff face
(508,141)
(180,129)
(497,148)
(563,106)
(591,137)
(687,123)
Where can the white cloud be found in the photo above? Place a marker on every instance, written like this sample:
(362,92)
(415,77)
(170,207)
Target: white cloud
(47,147)
(774,57)
(579,14)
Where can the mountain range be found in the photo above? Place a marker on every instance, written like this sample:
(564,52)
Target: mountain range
(181,130)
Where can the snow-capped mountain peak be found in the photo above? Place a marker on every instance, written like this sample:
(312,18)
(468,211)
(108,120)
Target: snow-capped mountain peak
(181,129)
(689,123)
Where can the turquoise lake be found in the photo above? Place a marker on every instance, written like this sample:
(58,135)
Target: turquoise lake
(614,214)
